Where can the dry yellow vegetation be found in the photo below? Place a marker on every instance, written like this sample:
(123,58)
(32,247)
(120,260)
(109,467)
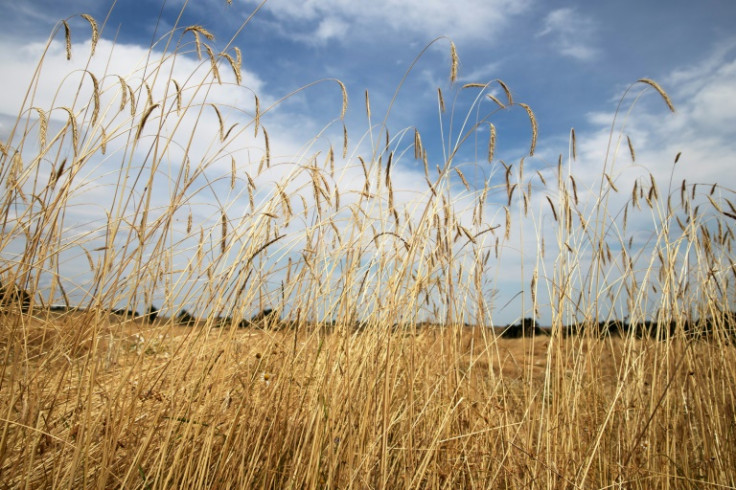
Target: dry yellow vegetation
(345,384)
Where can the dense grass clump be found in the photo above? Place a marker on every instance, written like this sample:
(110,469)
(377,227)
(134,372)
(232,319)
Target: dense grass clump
(182,306)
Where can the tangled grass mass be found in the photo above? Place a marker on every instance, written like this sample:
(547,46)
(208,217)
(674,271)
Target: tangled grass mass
(183,306)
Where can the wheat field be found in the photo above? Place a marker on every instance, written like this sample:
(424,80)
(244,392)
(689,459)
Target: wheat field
(180,314)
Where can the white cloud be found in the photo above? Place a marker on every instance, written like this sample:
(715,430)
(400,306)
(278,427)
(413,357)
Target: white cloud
(572,33)
(331,27)
(59,79)
(464,19)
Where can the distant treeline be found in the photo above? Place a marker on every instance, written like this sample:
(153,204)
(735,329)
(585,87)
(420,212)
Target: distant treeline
(13,298)
(726,323)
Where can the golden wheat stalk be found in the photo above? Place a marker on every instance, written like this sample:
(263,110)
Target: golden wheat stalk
(131,96)
(462,178)
(124,93)
(213,63)
(95,97)
(660,91)
(388,168)
(197,30)
(653,190)
(574,189)
(344,141)
(149,95)
(223,240)
(267,148)
(495,99)
(221,124)
(234,66)
(610,182)
(103,140)
(178,95)
(233,172)
(95,32)
(238,58)
(635,193)
(454,64)
(68,39)
(509,98)
(491,141)
(441,100)
(143,120)
(574,144)
(75,132)
(541,178)
(331,161)
(43,125)
(552,206)
(417,144)
(631,149)
(533,121)
(344,92)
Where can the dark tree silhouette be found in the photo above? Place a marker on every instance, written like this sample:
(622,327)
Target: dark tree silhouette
(13,297)
(152,313)
(185,318)
(527,327)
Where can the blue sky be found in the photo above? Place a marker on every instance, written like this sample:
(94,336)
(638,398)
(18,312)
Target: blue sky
(570,61)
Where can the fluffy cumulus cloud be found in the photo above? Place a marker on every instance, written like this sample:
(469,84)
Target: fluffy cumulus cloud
(464,19)
(571,33)
(59,80)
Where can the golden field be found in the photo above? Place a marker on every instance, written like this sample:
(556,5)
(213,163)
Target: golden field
(381,365)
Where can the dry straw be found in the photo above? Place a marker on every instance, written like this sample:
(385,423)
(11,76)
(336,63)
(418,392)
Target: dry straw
(257,116)
(344,92)
(660,91)
(610,182)
(631,149)
(344,141)
(197,30)
(131,96)
(213,63)
(491,141)
(462,178)
(454,64)
(533,121)
(223,241)
(349,291)
(220,123)
(495,99)
(75,131)
(441,100)
(235,65)
(149,95)
(507,91)
(95,32)
(43,125)
(143,120)
(68,39)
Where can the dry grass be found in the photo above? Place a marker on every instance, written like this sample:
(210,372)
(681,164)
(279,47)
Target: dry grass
(456,408)
(345,385)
